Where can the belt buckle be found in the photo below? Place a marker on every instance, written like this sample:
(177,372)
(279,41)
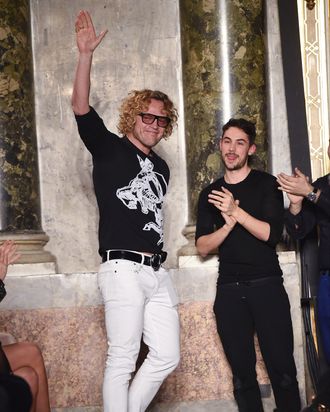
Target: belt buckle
(155,262)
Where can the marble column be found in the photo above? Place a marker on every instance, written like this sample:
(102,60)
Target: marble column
(223,61)
(20,215)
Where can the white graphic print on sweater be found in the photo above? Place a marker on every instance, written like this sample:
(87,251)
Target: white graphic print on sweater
(147,189)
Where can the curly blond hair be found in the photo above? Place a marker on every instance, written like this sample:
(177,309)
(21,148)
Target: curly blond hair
(138,101)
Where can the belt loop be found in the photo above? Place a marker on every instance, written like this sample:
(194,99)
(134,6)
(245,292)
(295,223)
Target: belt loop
(108,253)
(142,261)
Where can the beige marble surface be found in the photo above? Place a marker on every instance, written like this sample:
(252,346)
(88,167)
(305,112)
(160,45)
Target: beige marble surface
(73,343)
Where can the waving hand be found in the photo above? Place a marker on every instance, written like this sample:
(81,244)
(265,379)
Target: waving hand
(87,40)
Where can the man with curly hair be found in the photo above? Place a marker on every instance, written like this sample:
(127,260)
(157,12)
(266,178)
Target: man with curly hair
(130,181)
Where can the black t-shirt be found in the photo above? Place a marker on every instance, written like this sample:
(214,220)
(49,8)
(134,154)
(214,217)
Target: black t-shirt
(313,214)
(129,187)
(242,256)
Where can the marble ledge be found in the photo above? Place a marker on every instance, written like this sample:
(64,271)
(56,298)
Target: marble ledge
(31,269)
(194,281)
(213,261)
(51,291)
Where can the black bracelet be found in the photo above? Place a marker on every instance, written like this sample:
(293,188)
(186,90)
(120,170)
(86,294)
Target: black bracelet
(3,292)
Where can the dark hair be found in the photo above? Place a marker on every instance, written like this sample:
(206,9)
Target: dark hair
(248,128)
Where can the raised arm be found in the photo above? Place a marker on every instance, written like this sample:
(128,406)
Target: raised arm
(87,41)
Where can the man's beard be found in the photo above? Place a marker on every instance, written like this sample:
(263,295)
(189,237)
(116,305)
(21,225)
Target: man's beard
(242,163)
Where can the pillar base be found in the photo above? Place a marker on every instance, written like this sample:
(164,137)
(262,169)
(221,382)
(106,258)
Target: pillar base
(30,246)
(189,249)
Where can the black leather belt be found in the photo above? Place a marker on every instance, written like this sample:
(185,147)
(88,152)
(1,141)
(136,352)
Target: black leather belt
(155,261)
(254,282)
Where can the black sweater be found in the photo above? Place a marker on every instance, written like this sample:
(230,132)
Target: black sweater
(242,256)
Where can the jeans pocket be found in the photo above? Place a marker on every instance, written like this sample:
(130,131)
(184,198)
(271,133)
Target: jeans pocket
(107,281)
(147,280)
(123,281)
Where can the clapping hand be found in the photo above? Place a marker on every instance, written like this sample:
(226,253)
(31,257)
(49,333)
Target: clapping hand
(296,186)
(224,201)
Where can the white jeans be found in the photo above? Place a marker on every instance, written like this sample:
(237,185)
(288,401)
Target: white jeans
(139,302)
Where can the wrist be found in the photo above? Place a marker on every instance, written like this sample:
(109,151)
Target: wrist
(227,227)
(312,194)
(295,208)
(242,217)
(85,55)
(308,189)
(236,213)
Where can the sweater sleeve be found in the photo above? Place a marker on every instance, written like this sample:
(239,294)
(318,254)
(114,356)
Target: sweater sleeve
(273,211)
(205,223)
(324,202)
(298,226)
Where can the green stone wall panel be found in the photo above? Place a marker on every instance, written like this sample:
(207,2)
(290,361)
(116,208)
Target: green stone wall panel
(203,25)
(19,180)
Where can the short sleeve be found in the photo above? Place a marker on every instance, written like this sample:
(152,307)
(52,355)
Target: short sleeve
(93,132)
